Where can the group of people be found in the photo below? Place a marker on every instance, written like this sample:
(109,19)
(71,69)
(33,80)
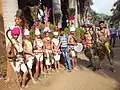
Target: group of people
(44,52)
(97,43)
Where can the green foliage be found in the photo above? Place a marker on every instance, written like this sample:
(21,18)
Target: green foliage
(57,17)
(32,31)
(34,12)
(115,12)
(71,11)
(100,16)
(79,33)
(51,26)
(66,30)
(32,35)
(41,26)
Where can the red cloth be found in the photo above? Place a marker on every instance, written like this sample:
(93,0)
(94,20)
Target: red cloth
(71,17)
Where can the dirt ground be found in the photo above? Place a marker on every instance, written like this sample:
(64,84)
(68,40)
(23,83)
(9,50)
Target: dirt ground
(81,79)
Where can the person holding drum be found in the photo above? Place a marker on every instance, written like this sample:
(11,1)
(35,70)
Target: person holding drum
(64,49)
(72,43)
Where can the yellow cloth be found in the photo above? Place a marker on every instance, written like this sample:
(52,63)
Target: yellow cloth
(28,45)
(107,46)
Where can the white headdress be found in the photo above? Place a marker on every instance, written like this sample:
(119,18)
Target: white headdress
(37,31)
(26,32)
(46,29)
(72,28)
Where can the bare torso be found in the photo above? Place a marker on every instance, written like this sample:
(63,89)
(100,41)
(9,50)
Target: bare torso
(47,43)
(88,38)
(103,35)
(71,39)
(27,46)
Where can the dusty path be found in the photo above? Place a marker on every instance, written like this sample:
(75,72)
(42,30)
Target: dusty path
(82,79)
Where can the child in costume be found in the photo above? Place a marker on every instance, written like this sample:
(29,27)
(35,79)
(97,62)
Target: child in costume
(72,43)
(56,51)
(38,50)
(28,52)
(47,45)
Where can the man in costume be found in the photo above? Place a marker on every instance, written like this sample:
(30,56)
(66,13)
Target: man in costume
(103,37)
(88,44)
(17,61)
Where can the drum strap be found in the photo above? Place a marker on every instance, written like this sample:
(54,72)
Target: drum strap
(74,38)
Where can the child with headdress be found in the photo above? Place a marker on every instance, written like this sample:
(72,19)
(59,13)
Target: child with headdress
(48,54)
(56,48)
(72,42)
(38,50)
(28,52)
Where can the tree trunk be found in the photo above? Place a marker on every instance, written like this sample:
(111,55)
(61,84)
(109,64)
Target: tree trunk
(57,9)
(73,4)
(76,13)
(9,8)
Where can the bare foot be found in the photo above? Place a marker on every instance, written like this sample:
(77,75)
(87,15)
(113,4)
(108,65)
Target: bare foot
(45,75)
(24,87)
(49,73)
(34,82)
(75,68)
(21,88)
(57,71)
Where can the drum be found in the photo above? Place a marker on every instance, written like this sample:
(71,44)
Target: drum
(78,47)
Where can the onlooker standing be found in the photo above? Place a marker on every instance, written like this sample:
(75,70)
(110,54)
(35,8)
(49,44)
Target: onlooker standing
(118,33)
(64,49)
(112,35)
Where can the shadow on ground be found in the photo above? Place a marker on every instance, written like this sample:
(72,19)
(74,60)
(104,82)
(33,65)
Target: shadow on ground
(105,71)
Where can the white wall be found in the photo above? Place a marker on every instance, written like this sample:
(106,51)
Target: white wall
(9,8)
